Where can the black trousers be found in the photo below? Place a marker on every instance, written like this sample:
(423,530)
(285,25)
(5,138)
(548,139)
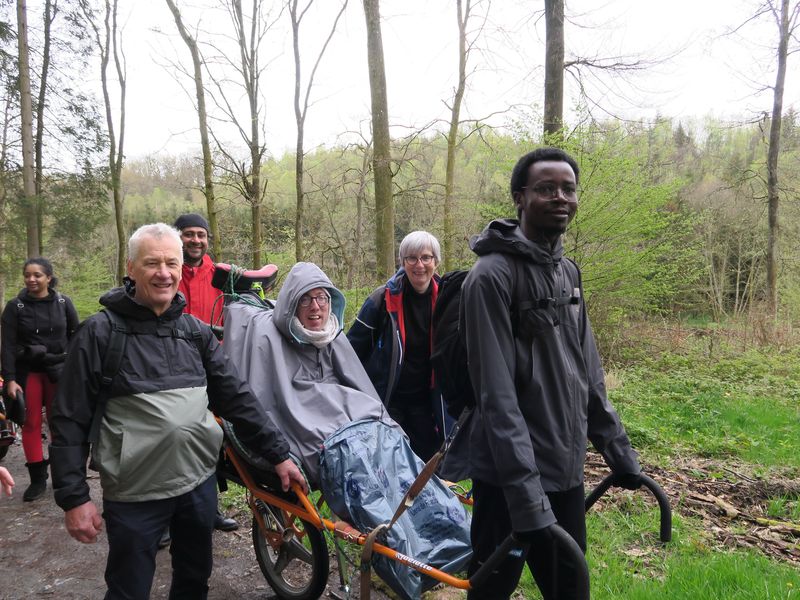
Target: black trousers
(554,572)
(418,423)
(134,529)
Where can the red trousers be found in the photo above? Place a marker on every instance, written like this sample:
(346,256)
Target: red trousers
(39,392)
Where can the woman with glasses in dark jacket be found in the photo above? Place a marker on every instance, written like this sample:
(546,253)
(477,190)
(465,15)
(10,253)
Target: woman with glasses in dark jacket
(36,326)
(392,338)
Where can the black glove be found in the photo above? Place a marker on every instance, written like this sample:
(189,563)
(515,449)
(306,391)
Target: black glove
(35,353)
(629,481)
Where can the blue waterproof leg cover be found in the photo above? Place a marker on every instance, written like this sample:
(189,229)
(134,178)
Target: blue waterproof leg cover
(365,469)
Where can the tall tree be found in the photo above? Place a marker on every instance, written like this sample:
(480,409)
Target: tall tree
(554,67)
(50,11)
(381,154)
(26,112)
(786,19)
(462,16)
(202,115)
(296,15)
(109,45)
(245,176)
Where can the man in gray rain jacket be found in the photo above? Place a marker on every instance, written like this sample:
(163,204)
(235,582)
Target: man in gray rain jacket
(158,442)
(538,383)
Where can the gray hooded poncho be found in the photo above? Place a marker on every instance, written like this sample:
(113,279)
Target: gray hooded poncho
(310,392)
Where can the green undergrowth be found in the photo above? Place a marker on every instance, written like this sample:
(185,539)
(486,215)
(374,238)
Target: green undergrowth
(741,406)
(627,560)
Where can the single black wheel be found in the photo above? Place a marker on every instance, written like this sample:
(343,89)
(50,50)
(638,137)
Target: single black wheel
(3,451)
(296,563)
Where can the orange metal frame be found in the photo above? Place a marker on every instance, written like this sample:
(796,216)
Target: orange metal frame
(306,511)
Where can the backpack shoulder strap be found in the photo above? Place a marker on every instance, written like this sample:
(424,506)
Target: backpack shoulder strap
(187,327)
(115,350)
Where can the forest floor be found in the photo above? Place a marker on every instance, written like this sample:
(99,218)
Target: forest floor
(39,559)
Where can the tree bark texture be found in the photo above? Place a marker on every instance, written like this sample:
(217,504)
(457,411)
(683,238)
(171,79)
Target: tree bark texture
(381,157)
(26,110)
(772,159)
(554,68)
(462,14)
(50,11)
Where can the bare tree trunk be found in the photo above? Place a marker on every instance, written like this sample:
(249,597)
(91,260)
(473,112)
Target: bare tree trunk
(6,124)
(299,116)
(361,197)
(50,10)
(26,110)
(300,112)
(107,45)
(381,158)
(554,68)
(251,177)
(202,115)
(772,158)
(455,111)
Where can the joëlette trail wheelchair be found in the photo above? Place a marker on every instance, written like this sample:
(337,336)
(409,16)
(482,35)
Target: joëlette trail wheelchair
(289,529)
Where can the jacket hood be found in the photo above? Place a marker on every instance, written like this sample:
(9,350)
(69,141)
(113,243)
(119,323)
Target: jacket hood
(505,235)
(302,278)
(24,295)
(122,302)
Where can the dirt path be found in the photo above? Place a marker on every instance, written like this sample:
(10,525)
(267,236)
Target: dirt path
(38,559)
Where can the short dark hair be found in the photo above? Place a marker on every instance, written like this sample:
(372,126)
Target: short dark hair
(46,267)
(519,176)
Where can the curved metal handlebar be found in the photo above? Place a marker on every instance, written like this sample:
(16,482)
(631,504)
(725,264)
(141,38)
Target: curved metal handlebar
(655,489)
(512,544)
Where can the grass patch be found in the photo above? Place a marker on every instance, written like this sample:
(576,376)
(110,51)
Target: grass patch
(627,561)
(737,406)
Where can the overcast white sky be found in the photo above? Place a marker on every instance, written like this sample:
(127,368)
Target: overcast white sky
(712,75)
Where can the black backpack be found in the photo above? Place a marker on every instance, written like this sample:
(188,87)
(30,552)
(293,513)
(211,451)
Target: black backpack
(449,352)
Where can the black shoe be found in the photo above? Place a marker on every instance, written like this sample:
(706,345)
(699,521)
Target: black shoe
(165,539)
(223,523)
(34,491)
(38,486)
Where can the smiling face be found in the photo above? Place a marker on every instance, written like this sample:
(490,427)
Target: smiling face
(419,273)
(157,272)
(195,245)
(542,216)
(36,280)
(313,316)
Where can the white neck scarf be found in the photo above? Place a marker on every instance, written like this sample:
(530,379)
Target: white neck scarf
(320,338)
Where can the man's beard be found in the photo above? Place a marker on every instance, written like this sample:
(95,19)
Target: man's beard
(191,261)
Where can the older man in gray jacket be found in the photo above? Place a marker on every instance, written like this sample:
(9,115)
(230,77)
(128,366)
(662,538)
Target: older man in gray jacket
(158,441)
(538,383)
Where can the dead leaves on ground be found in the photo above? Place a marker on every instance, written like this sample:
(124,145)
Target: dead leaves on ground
(730,502)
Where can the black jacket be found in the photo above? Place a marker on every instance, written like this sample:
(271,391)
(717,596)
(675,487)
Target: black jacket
(35,334)
(152,363)
(538,382)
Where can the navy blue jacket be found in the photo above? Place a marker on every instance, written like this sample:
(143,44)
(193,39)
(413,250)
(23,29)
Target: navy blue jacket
(378,334)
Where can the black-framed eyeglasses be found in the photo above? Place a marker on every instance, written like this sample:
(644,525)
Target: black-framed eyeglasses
(321,299)
(425,259)
(551,190)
